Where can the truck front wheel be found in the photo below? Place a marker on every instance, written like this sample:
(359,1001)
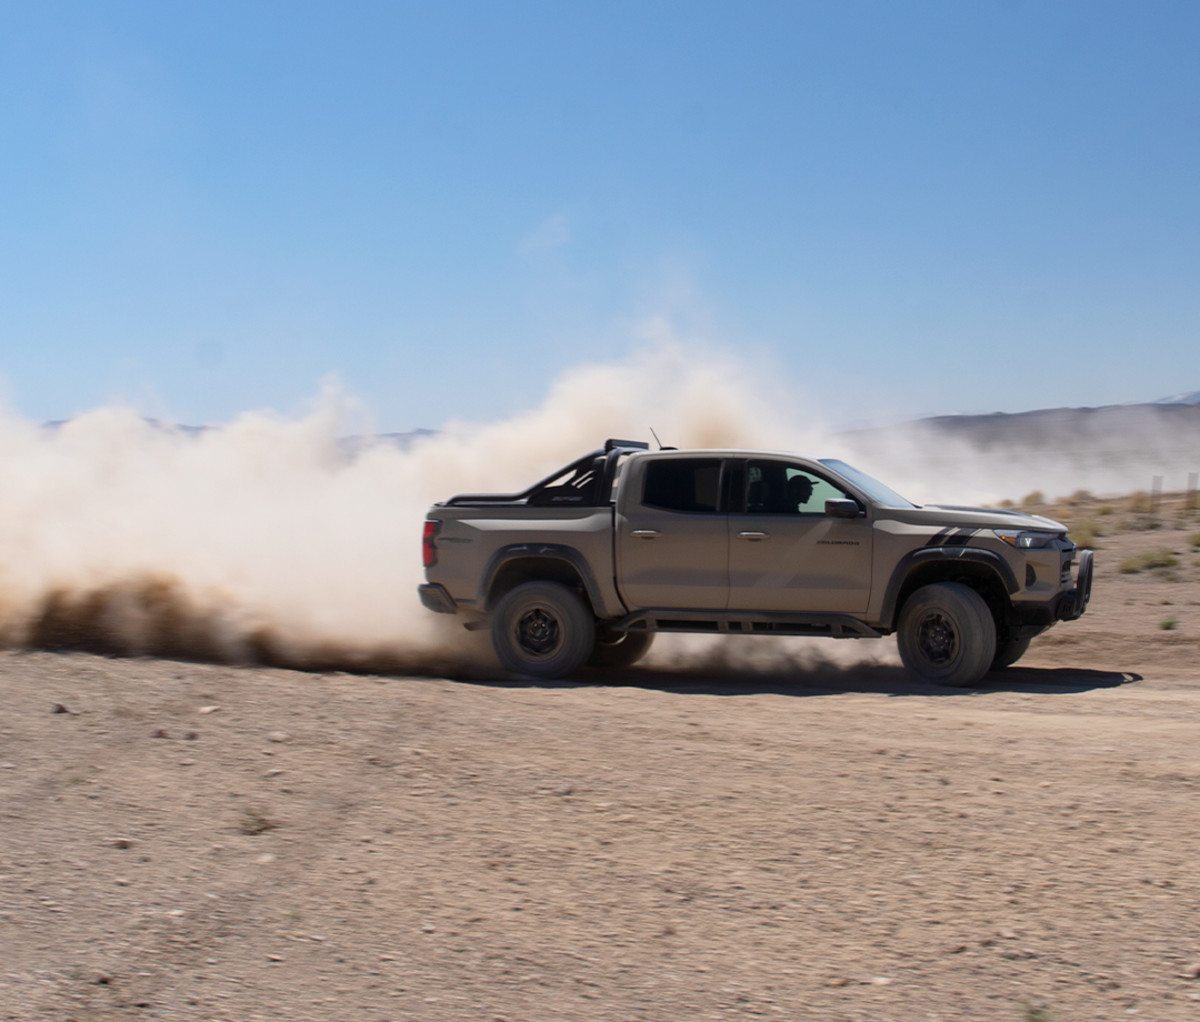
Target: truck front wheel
(1009,651)
(946,634)
(544,630)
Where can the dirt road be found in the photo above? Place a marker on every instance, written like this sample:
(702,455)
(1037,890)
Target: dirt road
(199,842)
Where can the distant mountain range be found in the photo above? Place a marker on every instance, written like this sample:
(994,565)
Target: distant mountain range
(1169,425)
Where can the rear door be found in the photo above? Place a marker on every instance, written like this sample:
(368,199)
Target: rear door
(786,554)
(672,539)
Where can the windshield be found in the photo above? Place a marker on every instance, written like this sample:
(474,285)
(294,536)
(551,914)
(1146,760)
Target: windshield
(873,488)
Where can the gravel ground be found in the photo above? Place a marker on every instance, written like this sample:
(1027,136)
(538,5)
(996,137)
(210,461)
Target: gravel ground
(689,841)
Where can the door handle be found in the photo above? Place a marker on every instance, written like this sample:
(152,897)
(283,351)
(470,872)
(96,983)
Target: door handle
(645,533)
(754,537)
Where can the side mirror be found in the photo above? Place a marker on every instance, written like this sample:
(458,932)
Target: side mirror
(843,508)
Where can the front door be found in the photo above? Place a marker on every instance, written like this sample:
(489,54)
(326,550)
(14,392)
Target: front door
(786,554)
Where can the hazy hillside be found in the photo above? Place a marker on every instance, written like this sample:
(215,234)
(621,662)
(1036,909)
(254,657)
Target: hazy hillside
(1165,430)
(1111,449)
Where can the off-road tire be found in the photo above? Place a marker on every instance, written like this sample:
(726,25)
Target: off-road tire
(543,630)
(620,649)
(946,634)
(1009,651)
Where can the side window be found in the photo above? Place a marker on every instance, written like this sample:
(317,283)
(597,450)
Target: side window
(776,488)
(683,484)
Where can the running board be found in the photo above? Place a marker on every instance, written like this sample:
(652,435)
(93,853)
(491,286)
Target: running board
(835,626)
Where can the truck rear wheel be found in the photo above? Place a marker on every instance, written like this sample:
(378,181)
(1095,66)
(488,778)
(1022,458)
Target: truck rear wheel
(544,630)
(620,649)
(946,634)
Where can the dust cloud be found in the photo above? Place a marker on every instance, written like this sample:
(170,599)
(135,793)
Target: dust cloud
(271,540)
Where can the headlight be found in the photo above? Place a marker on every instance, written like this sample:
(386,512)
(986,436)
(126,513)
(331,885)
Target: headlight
(1028,540)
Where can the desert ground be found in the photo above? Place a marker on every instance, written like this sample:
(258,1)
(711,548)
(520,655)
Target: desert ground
(785,832)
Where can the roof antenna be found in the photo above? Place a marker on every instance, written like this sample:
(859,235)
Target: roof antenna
(656,440)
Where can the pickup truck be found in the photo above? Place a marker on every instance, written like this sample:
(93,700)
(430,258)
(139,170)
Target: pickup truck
(588,564)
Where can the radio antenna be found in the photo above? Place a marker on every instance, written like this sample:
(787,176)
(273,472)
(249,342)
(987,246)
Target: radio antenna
(656,440)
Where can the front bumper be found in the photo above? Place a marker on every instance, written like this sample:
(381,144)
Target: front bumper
(1066,606)
(1072,604)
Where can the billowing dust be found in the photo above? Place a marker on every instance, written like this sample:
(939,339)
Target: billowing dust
(270,540)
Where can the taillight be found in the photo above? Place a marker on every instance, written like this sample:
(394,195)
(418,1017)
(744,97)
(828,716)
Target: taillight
(428,550)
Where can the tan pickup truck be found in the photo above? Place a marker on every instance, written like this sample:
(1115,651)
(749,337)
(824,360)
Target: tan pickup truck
(588,564)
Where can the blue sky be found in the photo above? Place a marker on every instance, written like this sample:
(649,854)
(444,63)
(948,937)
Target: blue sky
(902,208)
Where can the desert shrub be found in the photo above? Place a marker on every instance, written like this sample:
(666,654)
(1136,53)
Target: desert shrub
(1086,534)
(1140,503)
(1150,560)
(1105,509)
(1034,499)
(1168,624)
(1081,497)
(1194,540)
(1006,503)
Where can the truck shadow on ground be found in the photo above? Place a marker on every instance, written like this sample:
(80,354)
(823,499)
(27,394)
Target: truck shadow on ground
(830,679)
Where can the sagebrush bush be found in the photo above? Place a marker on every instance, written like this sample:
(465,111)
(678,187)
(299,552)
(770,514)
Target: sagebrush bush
(1150,560)
(1140,503)
(1086,534)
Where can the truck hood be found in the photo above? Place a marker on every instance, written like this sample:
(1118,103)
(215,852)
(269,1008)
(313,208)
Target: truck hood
(979,518)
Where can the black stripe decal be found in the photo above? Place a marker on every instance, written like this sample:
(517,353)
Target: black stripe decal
(952,537)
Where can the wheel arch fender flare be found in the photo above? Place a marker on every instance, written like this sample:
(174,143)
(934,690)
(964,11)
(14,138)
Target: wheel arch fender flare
(553,558)
(975,557)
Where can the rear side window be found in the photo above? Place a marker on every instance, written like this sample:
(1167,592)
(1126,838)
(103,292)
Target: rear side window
(683,484)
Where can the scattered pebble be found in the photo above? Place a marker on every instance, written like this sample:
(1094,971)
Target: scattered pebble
(208,709)
(279,736)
